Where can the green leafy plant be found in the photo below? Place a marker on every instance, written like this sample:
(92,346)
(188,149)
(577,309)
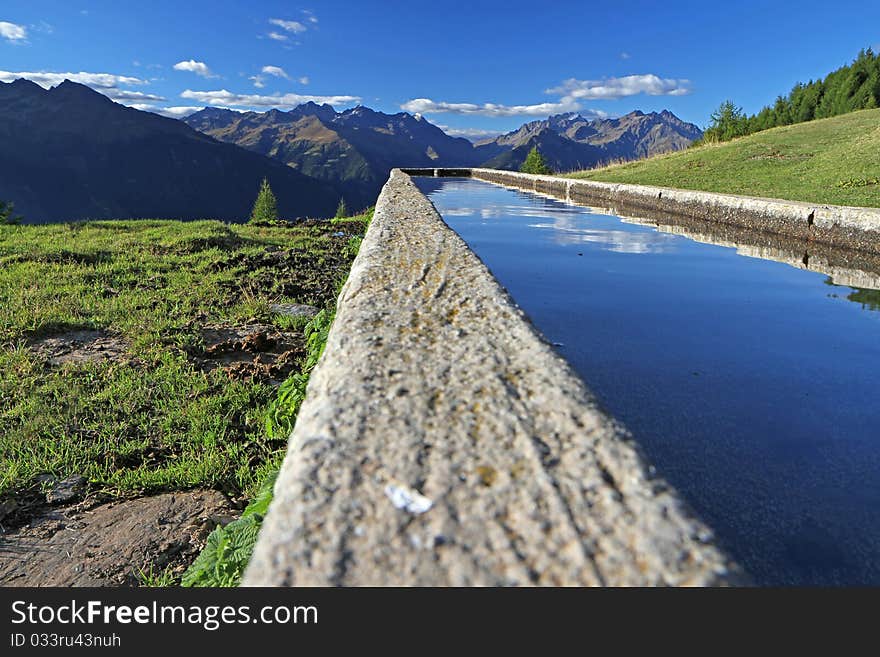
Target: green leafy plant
(229,548)
(265,207)
(282,411)
(353,246)
(157,579)
(535,163)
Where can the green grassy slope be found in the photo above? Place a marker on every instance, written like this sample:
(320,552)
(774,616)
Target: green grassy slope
(153,419)
(834,161)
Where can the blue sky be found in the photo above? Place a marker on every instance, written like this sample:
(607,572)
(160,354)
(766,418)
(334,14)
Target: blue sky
(474,66)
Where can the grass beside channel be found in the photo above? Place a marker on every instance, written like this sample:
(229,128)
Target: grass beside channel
(229,548)
(829,161)
(155,410)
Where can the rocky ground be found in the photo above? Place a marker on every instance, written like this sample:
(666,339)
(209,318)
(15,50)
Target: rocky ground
(90,543)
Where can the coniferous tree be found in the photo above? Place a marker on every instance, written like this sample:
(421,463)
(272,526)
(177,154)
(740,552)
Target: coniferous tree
(6,216)
(265,207)
(535,163)
(341,209)
(727,122)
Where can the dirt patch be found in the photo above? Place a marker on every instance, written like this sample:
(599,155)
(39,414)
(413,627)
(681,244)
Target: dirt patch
(289,273)
(779,155)
(85,346)
(109,544)
(257,351)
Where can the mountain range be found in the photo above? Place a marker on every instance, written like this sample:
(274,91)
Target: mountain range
(355,149)
(70,153)
(569,141)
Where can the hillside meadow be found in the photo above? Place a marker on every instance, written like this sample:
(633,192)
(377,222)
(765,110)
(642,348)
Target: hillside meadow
(829,161)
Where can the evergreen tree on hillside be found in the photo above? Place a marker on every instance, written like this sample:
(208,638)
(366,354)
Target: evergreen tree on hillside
(535,163)
(265,207)
(6,216)
(341,209)
(852,87)
(727,122)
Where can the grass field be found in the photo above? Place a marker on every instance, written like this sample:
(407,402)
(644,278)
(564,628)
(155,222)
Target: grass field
(830,161)
(154,412)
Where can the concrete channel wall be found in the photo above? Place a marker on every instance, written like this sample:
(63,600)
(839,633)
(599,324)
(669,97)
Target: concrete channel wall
(443,441)
(851,228)
(835,225)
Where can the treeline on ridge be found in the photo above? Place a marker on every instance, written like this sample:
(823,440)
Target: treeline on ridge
(852,87)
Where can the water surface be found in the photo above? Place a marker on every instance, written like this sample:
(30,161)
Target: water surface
(751,384)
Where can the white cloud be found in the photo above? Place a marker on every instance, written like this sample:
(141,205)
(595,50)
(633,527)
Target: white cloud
(277,71)
(469,133)
(192,66)
(98,81)
(310,16)
(571,94)
(294,27)
(275,36)
(428,106)
(171,112)
(625,55)
(126,95)
(615,88)
(222,97)
(12,32)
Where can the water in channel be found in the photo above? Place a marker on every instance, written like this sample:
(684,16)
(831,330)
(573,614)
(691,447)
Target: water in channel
(751,383)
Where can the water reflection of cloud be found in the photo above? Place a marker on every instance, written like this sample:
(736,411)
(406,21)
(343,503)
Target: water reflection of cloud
(570,225)
(567,231)
(511,211)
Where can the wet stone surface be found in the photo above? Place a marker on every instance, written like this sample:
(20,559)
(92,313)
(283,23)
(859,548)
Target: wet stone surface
(89,544)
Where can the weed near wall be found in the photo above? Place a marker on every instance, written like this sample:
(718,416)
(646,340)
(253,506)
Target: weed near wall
(229,548)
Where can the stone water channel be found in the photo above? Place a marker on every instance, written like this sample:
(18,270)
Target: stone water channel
(746,366)
(675,387)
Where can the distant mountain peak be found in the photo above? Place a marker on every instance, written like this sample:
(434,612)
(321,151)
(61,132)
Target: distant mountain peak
(21,83)
(21,89)
(223,111)
(74,91)
(571,141)
(72,153)
(69,86)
